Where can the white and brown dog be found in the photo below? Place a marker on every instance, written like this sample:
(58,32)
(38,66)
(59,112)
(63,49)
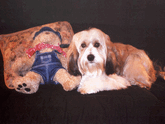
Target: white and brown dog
(93,55)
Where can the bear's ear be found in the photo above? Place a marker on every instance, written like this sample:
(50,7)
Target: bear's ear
(72,57)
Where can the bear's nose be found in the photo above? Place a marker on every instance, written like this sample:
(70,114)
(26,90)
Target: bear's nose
(90,57)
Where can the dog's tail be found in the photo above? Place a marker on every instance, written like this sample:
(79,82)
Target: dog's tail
(159,71)
(162,73)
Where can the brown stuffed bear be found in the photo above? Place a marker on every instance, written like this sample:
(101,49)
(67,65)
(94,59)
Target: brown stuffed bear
(42,64)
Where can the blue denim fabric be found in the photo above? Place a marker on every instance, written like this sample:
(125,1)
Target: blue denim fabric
(46,64)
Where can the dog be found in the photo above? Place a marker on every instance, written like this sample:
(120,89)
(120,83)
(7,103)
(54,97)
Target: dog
(105,65)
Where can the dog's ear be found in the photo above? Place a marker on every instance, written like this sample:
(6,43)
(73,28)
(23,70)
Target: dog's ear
(72,57)
(111,58)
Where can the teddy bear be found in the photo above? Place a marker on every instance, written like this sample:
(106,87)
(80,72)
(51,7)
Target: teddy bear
(44,64)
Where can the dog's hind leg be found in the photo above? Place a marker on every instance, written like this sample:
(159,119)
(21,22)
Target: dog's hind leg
(139,70)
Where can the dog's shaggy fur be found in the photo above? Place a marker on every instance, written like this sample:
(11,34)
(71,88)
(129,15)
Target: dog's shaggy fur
(93,55)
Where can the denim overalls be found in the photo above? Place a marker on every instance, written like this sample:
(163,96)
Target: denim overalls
(46,64)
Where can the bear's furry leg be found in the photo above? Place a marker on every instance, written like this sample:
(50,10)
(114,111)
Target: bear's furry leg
(68,81)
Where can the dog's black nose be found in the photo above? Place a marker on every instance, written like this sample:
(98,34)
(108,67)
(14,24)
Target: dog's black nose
(90,57)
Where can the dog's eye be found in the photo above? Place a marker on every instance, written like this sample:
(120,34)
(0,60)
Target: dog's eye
(96,44)
(83,45)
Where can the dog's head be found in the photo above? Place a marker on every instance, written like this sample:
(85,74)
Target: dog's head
(90,52)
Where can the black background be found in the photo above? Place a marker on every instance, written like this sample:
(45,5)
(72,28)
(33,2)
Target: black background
(22,14)
(140,23)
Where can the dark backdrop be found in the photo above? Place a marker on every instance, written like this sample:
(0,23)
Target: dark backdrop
(140,23)
(21,14)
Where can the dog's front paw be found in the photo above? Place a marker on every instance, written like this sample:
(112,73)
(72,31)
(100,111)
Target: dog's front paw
(86,91)
(118,82)
(88,88)
(82,91)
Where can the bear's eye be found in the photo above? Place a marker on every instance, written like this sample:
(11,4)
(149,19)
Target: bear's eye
(96,44)
(83,45)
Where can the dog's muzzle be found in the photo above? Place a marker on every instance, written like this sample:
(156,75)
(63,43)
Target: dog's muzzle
(90,57)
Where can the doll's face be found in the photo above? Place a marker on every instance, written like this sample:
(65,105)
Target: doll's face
(48,38)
